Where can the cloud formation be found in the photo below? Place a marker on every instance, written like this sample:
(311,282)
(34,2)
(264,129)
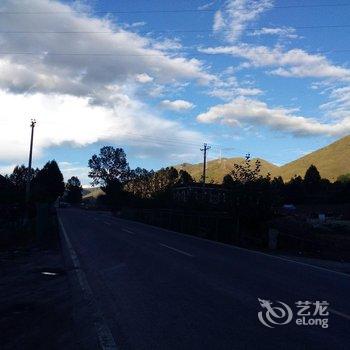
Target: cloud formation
(79,76)
(65,119)
(244,111)
(291,63)
(285,32)
(233,18)
(177,105)
(82,54)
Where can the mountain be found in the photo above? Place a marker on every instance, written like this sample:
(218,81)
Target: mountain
(331,161)
(218,168)
(92,193)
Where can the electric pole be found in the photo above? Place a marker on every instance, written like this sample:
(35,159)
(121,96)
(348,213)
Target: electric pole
(29,174)
(204,150)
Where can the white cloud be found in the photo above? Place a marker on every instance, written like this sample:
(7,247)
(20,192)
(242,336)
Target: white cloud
(177,105)
(235,15)
(75,169)
(167,45)
(227,88)
(7,169)
(219,23)
(244,111)
(135,24)
(206,6)
(291,63)
(286,32)
(111,58)
(64,119)
(83,99)
(143,78)
(338,106)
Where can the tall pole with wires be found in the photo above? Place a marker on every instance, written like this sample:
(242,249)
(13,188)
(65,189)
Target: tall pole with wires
(204,150)
(29,174)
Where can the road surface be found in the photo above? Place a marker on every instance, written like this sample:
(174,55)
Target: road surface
(157,289)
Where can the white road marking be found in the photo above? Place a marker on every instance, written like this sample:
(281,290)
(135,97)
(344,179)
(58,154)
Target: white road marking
(177,250)
(341,314)
(48,273)
(104,334)
(107,223)
(128,231)
(183,235)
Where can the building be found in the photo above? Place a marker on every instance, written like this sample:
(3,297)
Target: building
(195,192)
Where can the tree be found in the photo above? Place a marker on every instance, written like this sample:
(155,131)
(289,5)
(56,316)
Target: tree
(139,182)
(312,176)
(294,190)
(344,178)
(48,184)
(163,179)
(19,177)
(73,190)
(184,178)
(107,167)
(7,191)
(228,181)
(245,172)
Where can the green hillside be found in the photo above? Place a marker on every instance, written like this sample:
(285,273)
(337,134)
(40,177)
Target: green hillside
(331,161)
(92,193)
(217,169)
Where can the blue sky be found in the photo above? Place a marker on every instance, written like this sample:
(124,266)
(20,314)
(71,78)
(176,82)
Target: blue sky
(159,78)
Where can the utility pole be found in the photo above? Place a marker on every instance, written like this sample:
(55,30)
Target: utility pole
(204,150)
(29,175)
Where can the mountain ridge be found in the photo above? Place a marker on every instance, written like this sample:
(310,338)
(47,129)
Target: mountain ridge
(331,161)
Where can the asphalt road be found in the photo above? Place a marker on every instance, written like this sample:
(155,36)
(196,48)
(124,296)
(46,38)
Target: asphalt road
(158,289)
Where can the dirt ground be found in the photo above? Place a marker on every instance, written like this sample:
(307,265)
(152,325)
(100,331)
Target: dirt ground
(36,310)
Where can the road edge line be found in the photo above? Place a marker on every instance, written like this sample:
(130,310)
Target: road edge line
(316,267)
(176,250)
(104,334)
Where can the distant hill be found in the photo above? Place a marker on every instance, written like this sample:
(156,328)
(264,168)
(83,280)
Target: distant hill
(92,193)
(218,168)
(331,161)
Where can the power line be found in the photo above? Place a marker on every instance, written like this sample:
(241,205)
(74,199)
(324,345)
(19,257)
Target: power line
(173,140)
(155,140)
(162,11)
(327,26)
(106,54)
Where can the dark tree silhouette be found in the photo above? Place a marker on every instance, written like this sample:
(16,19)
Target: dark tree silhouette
(7,191)
(48,184)
(107,167)
(184,178)
(313,181)
(163,179)
(294,191)
(246,172)
(344,178)
(19,177)
(312,176)
(228,181)
(73,190)
(115,194)
(139,183)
